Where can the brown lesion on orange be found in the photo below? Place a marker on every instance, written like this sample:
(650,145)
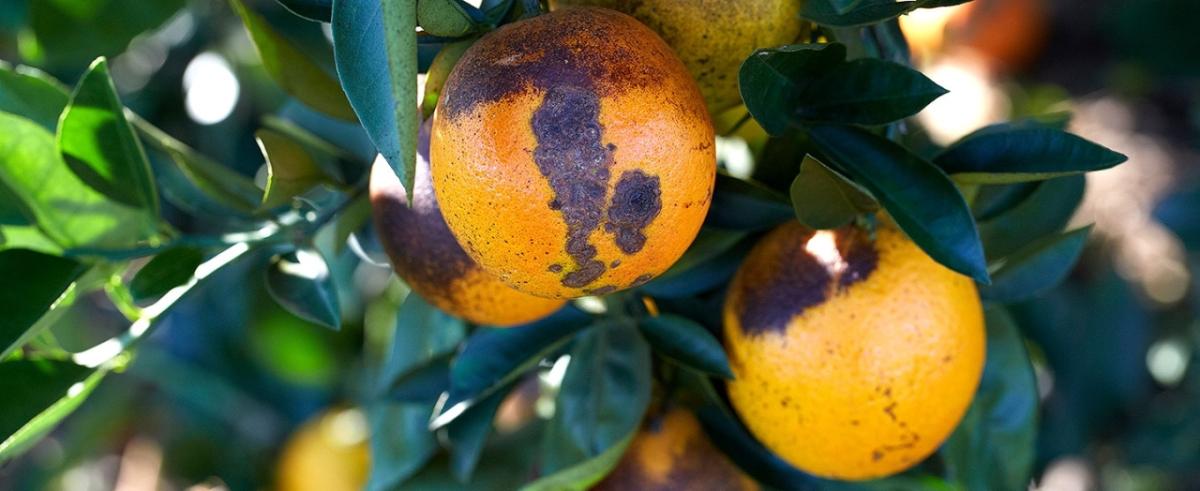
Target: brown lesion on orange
(636,201)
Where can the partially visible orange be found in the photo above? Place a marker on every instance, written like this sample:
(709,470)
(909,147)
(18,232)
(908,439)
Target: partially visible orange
(854,357)
(671,452)
(327,453)
(425,254)
(572,154)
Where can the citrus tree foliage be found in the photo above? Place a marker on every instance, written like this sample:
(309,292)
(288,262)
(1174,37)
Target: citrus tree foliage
(83,179)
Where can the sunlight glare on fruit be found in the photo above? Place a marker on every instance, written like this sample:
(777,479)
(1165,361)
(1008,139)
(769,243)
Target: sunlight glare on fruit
(348,427)
(211,87)
(823,247)
(925,29)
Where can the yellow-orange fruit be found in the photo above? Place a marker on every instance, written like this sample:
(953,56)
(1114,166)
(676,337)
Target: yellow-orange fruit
(425,254)
(713,37)
(671,452)
(854,358)
(572,154)
(328,453)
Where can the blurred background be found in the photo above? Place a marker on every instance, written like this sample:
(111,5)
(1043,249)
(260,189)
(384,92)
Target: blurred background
(229,376)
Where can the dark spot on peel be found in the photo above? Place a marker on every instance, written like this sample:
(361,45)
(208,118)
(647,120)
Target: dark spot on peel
(876,455)
(574,161)
(858,251)
(636,201)
(604,290)
(782,284)
(614,263)
(555,268)
(641,280)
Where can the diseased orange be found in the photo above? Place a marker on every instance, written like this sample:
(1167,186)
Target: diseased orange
(327,453)
(854,358)
(425,254)
(713,37)
(572,154)
(671,452)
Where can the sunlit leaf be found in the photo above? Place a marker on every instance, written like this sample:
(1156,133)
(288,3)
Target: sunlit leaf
(301,283)
(291,169)
(99,145)
(825,200)
(38,394)
(294,71)
(443,18)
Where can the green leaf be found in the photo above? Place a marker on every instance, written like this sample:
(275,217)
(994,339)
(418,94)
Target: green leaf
(291,169)
(70,33)
(493,357)
(423,333)
(32,94)
(705,276)
(44,281)
(167,270)
(843,6)
(992,201)
(686,342)
(825,200)
(316,10)
(827,13)
(443,18)
(69,212)
(221,184)
(468,433)
(27,237)
(301,283)
(294,71)
(401,443)
(581,476)
(99,146)
(38,394)
(993,447)
(866,91)
(423,383)
(1177,211)
(1045,211)
(744,205)
(375,45)
(917,195)
(1017,152)
(600,404)
(1036,268)
(771,80)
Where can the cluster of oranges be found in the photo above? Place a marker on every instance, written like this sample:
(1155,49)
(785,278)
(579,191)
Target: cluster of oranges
(572,154)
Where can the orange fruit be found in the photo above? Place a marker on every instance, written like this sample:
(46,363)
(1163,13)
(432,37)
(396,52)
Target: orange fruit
(572,153)
(713,37)
(1010,33)
(853,358)
(672,452)
(425,254)
(327,453)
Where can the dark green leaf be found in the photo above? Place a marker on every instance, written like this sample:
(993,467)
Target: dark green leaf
(866,91)
(600,405)
(220,184)
(993,447)
(166,271)
(72,33)
(69,212)
(99,145)
(375,44)
(917,195)
(423,383)
(1045,211)
(469,432)
(825,200)
(493,357)
(1016,152)
(291,169)
(708,275)
(318,10)
(581,476)
(294,71)
(443,18)
(825,12)
(37,395)
(43,279)
(29,93)
(992,201)
(745,205)
(301,283)
(401,443)
(1036,268)
(771,80)
(843,6)
(686,342)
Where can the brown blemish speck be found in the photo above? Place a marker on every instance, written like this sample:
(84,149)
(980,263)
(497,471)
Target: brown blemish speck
(575,162)
(641,280)
(636,201)
(555,268)
(876,455)
(858,251)
(615,263)
(604,290)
